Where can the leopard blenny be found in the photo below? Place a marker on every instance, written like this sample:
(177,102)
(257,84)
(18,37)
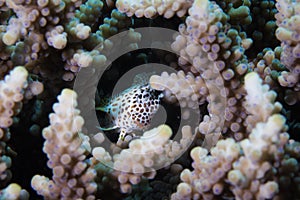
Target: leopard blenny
(132,109)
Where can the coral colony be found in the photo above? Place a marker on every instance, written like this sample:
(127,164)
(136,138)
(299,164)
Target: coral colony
(246,149)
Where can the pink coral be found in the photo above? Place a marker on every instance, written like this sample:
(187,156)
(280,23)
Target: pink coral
(251,168)
(288,33)
(72,176)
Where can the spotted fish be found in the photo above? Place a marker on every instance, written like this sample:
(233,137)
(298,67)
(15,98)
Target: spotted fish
(133,109)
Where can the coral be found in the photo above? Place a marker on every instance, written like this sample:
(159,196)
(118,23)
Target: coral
(207,177)
(11,95)
(6,63)
(57,37)
(268,138)
(287,20)
(14,192)
(148,9)
(267,64)
(259,102)
(208,35)
(247,171)
(187,90)
(227,126)
(89,12)
(79,28)
(256,18)
(184,90)
(34,45)
(263,26)
(72,176)
(238,11)
(37,16)
(209,46)
(251,168)
(34,88)
(198,55)
(144,155)
(161,187)
(11,92)
(116,23)
(83,55)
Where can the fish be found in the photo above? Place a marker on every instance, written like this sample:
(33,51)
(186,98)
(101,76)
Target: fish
(133,109)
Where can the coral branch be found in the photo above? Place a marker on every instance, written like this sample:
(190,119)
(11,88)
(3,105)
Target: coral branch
(72,176)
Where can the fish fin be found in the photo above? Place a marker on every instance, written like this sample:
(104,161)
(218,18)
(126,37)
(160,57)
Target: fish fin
(104,104)
(122,135)
(107,129)
(103,109)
